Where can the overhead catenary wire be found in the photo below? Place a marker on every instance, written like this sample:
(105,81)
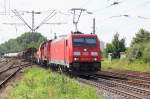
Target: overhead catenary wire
(133,7)
(114,3)
(86,3)
(5,6)
(32,28)
(18,15)
(9,6)
(123,15)
(56,23)
(64,13)
(127,15)
(80,11)
(139,16)
(15,24)
(51,15)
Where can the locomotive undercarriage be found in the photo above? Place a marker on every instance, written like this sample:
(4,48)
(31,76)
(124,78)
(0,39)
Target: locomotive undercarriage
(86,66)
(74,67)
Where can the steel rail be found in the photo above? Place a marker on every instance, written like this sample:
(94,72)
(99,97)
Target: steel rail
(130,88)
(12,67)
(18,68)
(9,77)
(111,89)
(125,75)
(135,83)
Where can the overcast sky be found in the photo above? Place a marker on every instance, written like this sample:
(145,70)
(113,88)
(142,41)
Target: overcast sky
(107,17)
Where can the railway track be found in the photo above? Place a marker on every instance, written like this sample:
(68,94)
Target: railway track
(7,75)
(6,65)
(126,87)
(123,94)
(120,84)
(123,75)
(9,71)
(136,83)
(126,79)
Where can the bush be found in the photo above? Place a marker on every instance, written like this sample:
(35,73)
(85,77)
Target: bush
(139,51)
(124,65)
(146,57)
(134,52)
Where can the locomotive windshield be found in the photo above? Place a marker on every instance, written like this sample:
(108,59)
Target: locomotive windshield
(84,41)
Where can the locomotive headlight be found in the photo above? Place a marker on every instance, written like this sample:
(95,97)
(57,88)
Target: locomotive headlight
(76,53)
(76,59)
(94,53)
(95,59)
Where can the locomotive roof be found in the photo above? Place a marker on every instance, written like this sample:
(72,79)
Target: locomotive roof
(78,33)
(84,34)
(73,35)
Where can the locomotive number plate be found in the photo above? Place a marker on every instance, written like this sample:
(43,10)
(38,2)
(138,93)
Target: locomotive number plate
(85,53)
(85,59)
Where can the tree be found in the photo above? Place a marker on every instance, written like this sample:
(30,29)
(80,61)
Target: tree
(26,40)
(116,46)
(140,47)
(108,49)
(142,36)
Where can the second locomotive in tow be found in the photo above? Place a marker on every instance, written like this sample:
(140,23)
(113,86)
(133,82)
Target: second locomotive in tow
(74,52)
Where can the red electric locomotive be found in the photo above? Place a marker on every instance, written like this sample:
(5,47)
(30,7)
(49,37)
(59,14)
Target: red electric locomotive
(76,52)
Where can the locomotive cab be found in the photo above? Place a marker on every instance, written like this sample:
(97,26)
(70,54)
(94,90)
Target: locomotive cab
(85,52)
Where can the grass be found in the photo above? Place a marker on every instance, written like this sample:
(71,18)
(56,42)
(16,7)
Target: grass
(125,65)
(39,83)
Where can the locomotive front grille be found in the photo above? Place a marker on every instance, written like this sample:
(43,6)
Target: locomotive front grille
(85,59)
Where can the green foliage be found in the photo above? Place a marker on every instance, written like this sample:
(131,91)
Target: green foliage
(109,48)
(134,52)
(146,57)
(117,46)
(140,47)
(38,83)
(142,36)
(123,65)
(26,40)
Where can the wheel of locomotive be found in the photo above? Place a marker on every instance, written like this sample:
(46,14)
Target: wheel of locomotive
(55,67)
(100,66)
(45,63)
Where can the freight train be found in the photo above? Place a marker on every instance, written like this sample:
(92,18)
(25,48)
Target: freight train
(73,52)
